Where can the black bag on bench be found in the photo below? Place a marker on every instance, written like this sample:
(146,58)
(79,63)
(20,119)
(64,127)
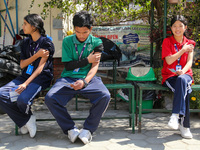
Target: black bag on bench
(111,50)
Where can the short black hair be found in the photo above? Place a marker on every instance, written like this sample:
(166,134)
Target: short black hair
(179,18)
(83,19)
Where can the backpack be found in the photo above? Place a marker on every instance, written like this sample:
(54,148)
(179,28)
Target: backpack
(111,50)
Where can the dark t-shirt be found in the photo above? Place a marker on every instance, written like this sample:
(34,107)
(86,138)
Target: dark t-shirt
(27,50)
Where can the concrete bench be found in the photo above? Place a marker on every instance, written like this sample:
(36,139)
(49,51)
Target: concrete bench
(151,86)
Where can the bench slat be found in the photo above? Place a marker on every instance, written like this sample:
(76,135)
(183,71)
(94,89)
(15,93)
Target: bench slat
(151,86)
(119,85)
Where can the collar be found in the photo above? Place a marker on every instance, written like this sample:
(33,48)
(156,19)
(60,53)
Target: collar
(177,43)
(88,40)
(35,42)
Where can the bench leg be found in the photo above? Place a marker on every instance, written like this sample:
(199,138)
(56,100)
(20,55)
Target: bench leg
(76,102)
(16,130)
(132,109)
(115,98)
(136,111)
(140,110)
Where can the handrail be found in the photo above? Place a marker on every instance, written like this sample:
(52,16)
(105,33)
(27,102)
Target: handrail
(10,19)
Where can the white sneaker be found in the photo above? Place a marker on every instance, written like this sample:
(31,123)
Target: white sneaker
(185,132)
(31,126)
(85,136)
(24,130)
(173,122)
(73,134)
(122,95)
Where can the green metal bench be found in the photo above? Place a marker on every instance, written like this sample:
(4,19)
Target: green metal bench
(151,86)
(112,86)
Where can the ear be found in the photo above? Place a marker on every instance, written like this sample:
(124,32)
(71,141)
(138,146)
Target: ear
(185,27)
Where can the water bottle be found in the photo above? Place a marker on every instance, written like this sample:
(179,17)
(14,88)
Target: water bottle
(13,95)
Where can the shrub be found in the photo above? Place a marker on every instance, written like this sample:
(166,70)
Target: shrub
(195,95)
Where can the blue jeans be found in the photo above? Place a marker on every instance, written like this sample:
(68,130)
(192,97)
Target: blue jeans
(19,111)
(181,86)
(61,93)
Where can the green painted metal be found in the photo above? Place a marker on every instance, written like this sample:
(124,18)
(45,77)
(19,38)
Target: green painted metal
(151,86)
(151,45)
(165,20)
(131,116)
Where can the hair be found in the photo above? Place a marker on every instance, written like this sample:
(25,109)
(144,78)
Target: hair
(83,19)
(36,21)
(179,18)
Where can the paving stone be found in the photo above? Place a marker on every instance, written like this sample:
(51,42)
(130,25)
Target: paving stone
(112,134)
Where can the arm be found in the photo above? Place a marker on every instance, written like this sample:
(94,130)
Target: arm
(172,58)
(33,76)
(92,58)
(80,84)
(40,53)
(92,72)
(188,64)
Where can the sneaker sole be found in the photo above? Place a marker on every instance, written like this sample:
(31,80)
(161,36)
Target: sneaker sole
(172,127)
(74,139)
(187,137)
(84,141)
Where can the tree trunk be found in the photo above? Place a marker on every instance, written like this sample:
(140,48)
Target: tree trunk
(157,61)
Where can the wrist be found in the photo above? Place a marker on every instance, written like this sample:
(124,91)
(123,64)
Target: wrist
(85,83)
(36,55)
(184,50)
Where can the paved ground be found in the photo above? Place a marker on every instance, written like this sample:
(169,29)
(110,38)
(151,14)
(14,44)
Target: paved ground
(111,135)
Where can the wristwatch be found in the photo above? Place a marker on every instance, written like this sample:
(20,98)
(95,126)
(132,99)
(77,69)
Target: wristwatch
(85,83)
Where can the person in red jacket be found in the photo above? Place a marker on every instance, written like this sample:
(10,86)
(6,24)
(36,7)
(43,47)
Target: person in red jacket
(177,56)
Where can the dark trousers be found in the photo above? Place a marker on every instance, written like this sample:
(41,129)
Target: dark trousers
(61,93)
(18,111)
(181,86)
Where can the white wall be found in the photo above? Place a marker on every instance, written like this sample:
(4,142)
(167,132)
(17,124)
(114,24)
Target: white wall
(23,7)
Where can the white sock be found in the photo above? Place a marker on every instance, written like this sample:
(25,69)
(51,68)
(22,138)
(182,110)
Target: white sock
(176,115)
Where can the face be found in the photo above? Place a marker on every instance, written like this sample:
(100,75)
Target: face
(178,28)
(28,28)
(82,33)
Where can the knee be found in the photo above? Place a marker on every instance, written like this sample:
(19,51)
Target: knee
(106,96)
(3,93)
(181,79)
(22,100)
(48,98)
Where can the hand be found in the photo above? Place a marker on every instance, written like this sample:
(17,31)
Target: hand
(79,84)
(188,47)
(179,72)
(93,58)
(43,53)
(21,88)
